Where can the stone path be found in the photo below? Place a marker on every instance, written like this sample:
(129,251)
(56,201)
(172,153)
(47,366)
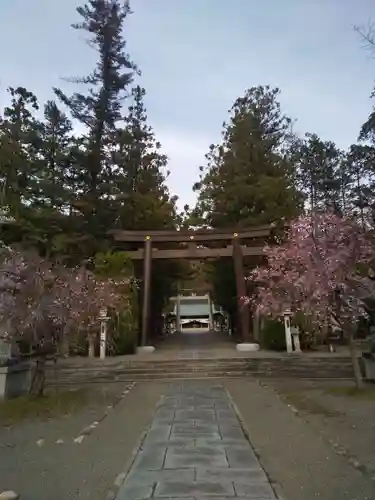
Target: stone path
(195,449)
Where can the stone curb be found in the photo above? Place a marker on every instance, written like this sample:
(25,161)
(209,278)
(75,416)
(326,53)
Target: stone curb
(275,486)
(121,477)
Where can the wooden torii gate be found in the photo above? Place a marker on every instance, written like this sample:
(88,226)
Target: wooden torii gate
(235,243)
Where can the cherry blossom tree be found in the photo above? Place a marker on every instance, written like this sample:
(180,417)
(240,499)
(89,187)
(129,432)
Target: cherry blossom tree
(90,295)
(320,269)
(44,305)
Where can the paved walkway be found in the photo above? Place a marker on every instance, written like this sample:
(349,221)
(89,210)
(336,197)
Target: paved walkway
(195,449)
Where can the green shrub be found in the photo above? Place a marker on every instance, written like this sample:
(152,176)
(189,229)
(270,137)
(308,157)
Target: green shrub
(123,345)
(273,335)
(124,332)
(123,324)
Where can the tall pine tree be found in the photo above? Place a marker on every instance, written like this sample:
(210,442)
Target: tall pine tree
(140,172)
(320,173)
(19,140)
(99,110)
(142,199)
(249,179)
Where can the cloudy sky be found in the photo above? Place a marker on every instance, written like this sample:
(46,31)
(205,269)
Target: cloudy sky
(197,56)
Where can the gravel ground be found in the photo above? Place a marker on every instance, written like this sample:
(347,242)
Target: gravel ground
(346,422)
(28,431)
(298,459)
(70,470)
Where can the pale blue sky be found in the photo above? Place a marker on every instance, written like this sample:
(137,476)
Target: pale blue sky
(197,56)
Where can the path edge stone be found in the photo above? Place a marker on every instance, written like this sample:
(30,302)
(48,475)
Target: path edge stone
(275,486)
(121,477)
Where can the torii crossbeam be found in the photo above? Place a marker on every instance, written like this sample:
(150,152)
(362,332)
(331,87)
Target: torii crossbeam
(235,243)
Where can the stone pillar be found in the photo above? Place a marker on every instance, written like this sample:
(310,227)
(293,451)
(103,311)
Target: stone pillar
(295,339)
(5,349)
(178,313)
(210,312)
(288,332)
(103,333)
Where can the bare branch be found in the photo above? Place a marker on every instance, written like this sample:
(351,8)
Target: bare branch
(367,35)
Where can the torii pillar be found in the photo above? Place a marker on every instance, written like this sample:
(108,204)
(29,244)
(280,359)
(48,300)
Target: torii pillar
(243,311)
(147,263)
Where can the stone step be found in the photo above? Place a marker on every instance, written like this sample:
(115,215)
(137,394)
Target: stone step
(177,364)
(124,376)
(161,373)
(288,367)
(153,359)
(250,368)
(188,376)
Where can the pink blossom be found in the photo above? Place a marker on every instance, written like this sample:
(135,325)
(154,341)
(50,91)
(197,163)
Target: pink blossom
(316,270)
(48,304)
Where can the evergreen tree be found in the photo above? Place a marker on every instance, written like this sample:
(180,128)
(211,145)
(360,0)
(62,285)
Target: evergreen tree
(141,200)
(362,157)
(360,161)
(100,111)
(57,185)
(34,167)
(367,132)
(20,150)
(56,148)
(19,145)
(140,173)
(67,190)
(320,173)
(249,179)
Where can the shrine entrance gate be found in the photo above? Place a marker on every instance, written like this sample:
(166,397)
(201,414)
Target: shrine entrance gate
(237,243)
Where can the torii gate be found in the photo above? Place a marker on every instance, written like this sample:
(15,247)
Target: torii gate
(235,243)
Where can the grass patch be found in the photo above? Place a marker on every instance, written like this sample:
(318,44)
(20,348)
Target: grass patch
(306,405)
(51,405)
(367,392)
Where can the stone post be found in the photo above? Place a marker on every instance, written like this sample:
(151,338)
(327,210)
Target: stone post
(103,333)
(210,312)
(288,333)
(178,313)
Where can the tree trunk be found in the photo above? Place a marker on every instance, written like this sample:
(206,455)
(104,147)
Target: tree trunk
(91,346)
(256,326)
(355,361)
(38,378)
(64,345)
